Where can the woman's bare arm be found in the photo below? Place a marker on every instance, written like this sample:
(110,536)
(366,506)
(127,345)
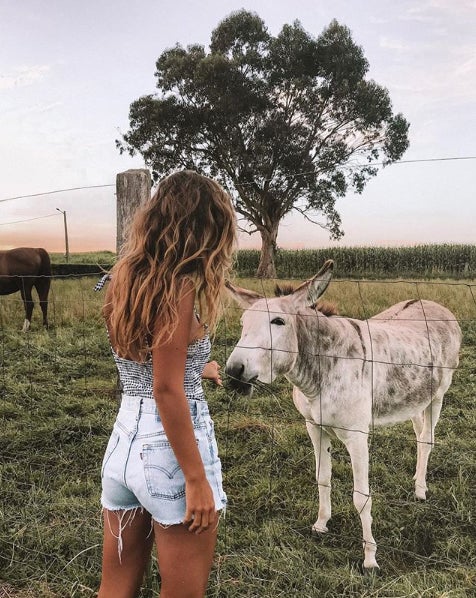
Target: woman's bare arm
(169,371)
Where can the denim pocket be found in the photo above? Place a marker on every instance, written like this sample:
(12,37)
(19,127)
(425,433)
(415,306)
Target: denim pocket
(163,475)
(110,448)
(127,426)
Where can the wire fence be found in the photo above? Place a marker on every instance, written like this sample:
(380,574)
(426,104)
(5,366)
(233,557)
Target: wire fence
(58,401)
(104,204)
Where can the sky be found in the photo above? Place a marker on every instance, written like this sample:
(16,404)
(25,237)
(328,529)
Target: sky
(69,71)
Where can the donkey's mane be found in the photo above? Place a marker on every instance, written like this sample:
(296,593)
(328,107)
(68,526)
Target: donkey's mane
(325,307)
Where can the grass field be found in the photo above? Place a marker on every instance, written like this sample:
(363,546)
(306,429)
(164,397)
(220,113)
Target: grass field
(91,257)
(56,411)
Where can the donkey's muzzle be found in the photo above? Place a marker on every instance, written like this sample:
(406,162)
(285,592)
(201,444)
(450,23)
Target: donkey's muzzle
(235,378)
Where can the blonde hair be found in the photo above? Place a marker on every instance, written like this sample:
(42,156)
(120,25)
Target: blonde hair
(186,229)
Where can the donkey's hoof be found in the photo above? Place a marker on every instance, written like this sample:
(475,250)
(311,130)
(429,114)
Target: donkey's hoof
(420,493)
(316,529)
(370,571)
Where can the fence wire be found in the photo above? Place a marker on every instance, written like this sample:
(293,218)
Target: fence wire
(267,459)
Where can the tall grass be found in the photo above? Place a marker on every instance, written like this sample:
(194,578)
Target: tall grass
(57,407)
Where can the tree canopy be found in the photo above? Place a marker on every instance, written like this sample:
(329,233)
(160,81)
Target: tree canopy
(285,123)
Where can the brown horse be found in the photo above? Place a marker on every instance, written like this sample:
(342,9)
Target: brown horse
(21,269)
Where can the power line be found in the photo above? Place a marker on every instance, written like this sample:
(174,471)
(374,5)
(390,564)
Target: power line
(415,161)
(372,164)
(434,159)
(56,191)
(28,219)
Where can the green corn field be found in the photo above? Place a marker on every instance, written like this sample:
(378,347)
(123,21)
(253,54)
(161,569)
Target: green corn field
(420,261)
(454,261)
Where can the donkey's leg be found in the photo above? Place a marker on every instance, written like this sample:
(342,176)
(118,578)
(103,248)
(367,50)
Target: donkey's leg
(357,447)
(25,292)
(426,442)
(322,451)
(417,422)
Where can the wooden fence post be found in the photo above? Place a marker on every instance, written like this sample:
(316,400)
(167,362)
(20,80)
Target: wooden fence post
(132,189)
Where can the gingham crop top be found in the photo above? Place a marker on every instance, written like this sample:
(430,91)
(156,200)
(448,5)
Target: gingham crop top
(136,378)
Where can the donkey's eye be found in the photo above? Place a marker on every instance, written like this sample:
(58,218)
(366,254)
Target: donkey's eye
(278,321)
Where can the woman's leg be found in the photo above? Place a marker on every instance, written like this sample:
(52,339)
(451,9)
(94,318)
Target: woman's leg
(185,560)
(127,546)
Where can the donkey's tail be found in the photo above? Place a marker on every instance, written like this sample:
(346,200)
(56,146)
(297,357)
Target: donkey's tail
(45,268)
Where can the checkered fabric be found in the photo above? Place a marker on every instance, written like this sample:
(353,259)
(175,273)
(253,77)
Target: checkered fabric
(101,282)
(136,378)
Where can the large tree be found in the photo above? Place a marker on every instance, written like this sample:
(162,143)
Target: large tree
(286,123)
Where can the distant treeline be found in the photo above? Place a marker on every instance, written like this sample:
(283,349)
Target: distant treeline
(420,261)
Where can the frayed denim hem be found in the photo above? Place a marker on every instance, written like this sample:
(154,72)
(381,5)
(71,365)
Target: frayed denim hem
(125,517)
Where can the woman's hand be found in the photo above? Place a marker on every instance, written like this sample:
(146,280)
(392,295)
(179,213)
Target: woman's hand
(211,371)
(200,511)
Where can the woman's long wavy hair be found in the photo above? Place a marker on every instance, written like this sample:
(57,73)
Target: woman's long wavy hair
(187,229)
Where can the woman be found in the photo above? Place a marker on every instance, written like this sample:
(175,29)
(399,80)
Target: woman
(161,475)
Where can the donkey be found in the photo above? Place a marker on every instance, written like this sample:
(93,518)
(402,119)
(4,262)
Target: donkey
(21,269)
(349,375)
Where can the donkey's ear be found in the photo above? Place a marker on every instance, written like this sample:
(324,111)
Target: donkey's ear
(243,297)
(310,291)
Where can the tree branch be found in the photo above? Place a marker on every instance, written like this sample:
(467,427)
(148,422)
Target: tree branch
(303,213)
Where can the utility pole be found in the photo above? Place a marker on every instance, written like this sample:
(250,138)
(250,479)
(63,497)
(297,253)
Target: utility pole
(65,234)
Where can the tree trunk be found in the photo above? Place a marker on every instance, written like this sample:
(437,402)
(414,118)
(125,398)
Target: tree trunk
(266,268)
